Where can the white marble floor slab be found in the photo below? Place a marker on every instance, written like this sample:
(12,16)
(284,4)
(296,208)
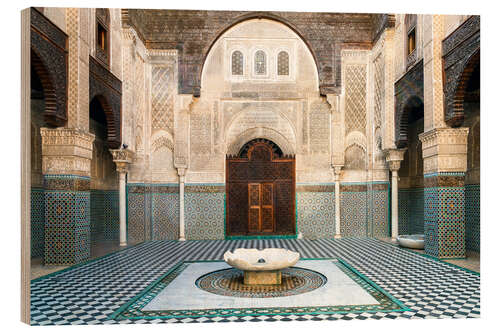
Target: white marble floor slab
(182,293)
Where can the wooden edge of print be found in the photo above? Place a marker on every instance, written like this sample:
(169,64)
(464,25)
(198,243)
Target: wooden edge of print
(25,166)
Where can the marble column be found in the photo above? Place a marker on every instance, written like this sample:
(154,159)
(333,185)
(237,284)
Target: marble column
(122,159)
(336,170)
(181,173)
(394,158)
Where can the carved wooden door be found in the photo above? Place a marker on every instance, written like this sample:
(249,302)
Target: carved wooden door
(260,207)
(260,191)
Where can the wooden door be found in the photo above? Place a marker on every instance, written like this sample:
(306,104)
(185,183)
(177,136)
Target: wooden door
(260,191)
(260,208)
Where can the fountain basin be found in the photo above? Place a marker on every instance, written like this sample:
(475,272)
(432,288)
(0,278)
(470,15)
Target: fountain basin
(411,241)
(261,266)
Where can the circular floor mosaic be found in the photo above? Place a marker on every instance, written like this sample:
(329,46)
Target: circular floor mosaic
(229,282)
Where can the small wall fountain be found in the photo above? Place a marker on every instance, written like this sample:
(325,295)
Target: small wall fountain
(261,267)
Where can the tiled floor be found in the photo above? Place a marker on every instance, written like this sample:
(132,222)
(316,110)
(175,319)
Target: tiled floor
(90,293)
(472,260)
(98,250)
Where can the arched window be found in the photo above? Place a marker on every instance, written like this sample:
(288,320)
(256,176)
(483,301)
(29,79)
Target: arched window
(237,63)
(260,63)
(283,63)
(411,38)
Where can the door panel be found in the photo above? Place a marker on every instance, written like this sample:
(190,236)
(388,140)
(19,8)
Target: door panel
(253,207)
(267,208)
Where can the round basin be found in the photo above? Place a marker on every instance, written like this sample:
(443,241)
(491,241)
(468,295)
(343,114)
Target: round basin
(261,260)
(411,241)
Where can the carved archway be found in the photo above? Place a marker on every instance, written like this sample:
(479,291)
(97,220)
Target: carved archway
(107,88)
(413,109)
(260,191)
(49,59)
(461,54)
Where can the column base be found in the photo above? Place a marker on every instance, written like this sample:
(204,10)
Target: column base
(122,244)
(337,236)
(394,240)
(182,239)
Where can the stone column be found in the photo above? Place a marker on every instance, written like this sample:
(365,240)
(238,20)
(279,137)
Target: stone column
(336,171)
(394,158)
(182,235)
(66,156)
(122,159)
(444,152)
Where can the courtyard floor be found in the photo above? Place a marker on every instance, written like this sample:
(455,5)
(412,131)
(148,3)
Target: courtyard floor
(97,291)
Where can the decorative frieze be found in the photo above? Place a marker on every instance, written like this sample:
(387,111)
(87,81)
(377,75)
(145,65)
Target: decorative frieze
(444,150)
(66,151)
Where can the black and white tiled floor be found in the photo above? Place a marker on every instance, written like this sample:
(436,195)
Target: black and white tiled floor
(89,293)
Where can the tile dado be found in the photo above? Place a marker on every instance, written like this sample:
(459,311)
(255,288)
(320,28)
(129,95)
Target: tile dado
(153,212)
(37,222)
(444,216)
(67,225)
(104,215)
(473,217)
(411,211)
(316,212)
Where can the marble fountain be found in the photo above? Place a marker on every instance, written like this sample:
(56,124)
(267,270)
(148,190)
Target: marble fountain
(261,267)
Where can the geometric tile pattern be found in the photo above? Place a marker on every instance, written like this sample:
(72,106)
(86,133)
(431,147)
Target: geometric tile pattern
(403,212)
(353,214)
(316,214)
(444,216)
(37,222)
(204,215)
(104,215)
(67,226)
(165,216)
(473,217)
(136,220)
(91,292)
(379,213)
(305,281)
(411,211)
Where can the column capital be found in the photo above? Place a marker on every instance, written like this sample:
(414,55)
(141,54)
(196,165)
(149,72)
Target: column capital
(444,149)
(66,151)
(394,157)
(182,173)
(122,159)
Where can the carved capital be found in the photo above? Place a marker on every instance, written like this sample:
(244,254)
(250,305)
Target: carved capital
(181,172)
(394,158)
(66,151)
(444,150)
(122,159)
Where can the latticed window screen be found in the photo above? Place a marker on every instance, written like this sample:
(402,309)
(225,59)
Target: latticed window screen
(260,62)
(237,63)
(283,65)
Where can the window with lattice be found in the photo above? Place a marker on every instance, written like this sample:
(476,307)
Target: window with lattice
(260,63)
(237,63)
(283,63)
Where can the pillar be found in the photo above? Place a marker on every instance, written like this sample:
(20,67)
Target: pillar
(182,235)
(122,159)
(66,156)
(394,158)
(444,152)
(336,170)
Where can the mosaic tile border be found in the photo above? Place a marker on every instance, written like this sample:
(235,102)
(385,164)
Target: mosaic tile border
(133,308)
